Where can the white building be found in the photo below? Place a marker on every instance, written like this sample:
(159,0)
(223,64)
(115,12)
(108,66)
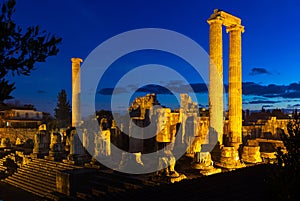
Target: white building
(20,118)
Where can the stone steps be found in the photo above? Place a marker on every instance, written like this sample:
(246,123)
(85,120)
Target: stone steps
(36,172)
(48,168)
(40,191)
(2,168)
(33,181)
(54,164)
(31,175)
(38,177)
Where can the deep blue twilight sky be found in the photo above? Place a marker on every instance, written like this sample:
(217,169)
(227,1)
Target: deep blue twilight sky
(270,44)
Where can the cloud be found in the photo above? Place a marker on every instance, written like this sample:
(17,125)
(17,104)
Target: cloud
(259,71)
(41,92)
(263,102)
(291,91)
(179,86)
(293,106)
(294,86)
(264,106)
(156,89)
(170,88)
(272,91)
(175,82)
(109,91)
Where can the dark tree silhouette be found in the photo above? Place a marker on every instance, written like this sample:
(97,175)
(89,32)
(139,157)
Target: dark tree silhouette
(21,49)
(63,110)
(49,120)
(291,159)
(285,180)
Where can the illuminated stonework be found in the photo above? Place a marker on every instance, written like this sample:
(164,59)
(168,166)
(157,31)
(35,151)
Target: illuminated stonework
(234,27)
(216,78)
(251,154)
(76,91)
(229,155)
(235,85)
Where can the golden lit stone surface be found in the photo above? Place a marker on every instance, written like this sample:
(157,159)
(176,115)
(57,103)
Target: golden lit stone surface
(216,108)
(251,154)
(230,158)
(235,85)
(229,155)
(76,91)
(234,27)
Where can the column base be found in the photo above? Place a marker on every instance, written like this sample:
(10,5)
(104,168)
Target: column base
(130,163)
(251,154)
(161,177)
(205,164)
(230,159)
(177,179)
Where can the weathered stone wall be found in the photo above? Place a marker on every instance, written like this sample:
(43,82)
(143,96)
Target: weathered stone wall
(14,133)
(271,128)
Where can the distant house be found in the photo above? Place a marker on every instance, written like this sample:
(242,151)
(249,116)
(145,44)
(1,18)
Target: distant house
(20,118)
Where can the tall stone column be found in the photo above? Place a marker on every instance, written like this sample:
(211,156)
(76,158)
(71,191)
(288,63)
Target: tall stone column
(76,117)
(235,85)
(216,80)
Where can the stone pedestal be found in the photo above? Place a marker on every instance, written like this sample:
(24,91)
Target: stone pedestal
(230,158)
(251,154)
(130,161)
(205,164)
(178,179)
(19,142)
(167,172)
(41,144)
(124,161)
(5,143)
(56,152)
(203,160)
(77,155)
(135,145)
(102,144)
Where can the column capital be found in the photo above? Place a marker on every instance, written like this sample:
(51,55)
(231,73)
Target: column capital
(235,27)
(218,20)
(76,60)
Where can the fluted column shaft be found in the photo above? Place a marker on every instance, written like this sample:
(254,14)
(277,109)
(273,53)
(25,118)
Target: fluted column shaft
(76,112)
(235,85)
(216,80)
